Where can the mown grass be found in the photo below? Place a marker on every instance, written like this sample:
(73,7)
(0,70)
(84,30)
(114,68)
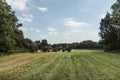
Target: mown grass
(77,65)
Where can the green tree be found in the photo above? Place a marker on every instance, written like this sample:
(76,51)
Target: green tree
(18,37)
(108,33)
(29,45)
(116,17)
(8,23)
(44,42)
(38,44)
(88,44)
(110,28)
(45,46)
(11,38)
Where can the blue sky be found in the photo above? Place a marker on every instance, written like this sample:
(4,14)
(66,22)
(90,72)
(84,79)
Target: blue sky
(61,21)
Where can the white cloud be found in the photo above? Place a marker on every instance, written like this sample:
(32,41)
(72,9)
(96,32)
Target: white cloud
(31,29)
(26,18)
(75,30)
(28,15)
(43,9)
(51,29)
(53,33)
(37,30)
(72,23)
(18,4)
(43,36)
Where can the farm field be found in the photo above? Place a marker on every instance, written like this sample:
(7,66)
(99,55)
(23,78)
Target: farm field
(76,65)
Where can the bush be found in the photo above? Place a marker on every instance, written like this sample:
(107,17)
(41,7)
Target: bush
(5,45)
(45,48)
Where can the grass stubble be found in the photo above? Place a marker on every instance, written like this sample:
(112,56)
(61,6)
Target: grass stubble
(77,65)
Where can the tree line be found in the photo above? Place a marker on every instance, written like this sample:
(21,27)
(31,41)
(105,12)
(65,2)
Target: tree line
(45,47)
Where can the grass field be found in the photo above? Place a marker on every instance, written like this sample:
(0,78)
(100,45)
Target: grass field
(77,65)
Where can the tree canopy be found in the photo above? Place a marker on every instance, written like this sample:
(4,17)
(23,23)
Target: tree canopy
(110,28)
(11,38)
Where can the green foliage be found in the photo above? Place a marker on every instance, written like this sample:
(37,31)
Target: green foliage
(5,45)
(89,45)
(38,44)
(43,45)
(110,29)
(45,49)
(108,33)
(7,20)
(28,44)
(11,38)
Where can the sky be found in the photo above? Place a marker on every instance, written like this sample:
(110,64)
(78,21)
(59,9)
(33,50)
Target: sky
(61,21)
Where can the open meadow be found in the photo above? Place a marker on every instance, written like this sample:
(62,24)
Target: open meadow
(76,65)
